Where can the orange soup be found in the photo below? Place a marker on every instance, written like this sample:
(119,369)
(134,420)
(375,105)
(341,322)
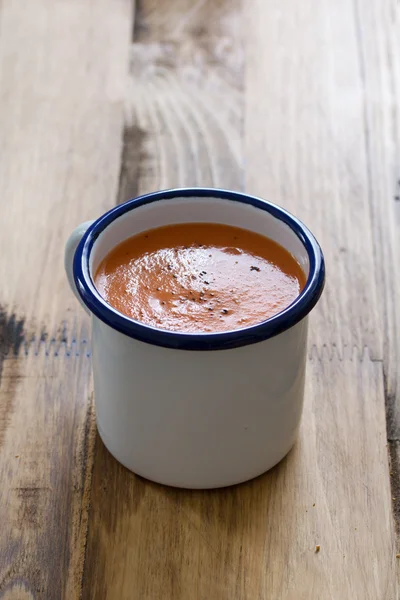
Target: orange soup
(199,277)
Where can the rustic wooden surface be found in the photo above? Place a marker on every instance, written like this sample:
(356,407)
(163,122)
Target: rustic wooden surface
(295,101)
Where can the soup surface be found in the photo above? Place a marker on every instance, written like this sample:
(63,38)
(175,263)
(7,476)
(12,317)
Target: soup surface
(199,277)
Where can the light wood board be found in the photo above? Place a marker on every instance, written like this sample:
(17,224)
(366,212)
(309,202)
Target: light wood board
(63,69)
(297,102)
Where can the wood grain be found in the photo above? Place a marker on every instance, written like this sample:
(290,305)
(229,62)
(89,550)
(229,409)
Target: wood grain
(61,122)
(338,165)
(303,146)
(296,102)
(184,101)
(380,47)
(258,540)
(62,73)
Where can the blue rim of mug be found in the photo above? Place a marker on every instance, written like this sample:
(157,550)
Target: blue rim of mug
(276,324)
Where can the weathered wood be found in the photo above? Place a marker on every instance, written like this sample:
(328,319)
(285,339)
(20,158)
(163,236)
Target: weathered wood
(336,168)
(379,57)
(62,75)
(63,72)
(46,459)
(258,540)
(304,135)
(184,105)
(294,101)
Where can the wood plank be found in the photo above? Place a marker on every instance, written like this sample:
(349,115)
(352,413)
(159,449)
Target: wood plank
(184,111)
(45,470)
(258,540)
(308,153)
(303,145)
(62,75)
(317,139)
(381,47)
(316,83)
(61,138)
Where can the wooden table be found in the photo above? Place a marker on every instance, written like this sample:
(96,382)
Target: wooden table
(295,101)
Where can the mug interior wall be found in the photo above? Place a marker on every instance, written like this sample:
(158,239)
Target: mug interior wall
(197,210)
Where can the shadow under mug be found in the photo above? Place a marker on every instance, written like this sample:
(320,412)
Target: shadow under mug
(196,410)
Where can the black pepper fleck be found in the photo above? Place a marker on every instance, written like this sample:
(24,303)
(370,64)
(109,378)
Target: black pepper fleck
(252,268)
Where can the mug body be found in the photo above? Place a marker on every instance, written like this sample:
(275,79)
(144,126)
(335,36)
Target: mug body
(198,410)
(201,419)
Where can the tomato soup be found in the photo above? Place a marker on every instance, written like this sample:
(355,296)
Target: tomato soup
(199,277)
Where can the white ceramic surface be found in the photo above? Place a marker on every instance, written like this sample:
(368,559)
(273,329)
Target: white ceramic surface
(194,418)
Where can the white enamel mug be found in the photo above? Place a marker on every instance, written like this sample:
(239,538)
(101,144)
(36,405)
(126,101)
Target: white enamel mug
(196,410)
